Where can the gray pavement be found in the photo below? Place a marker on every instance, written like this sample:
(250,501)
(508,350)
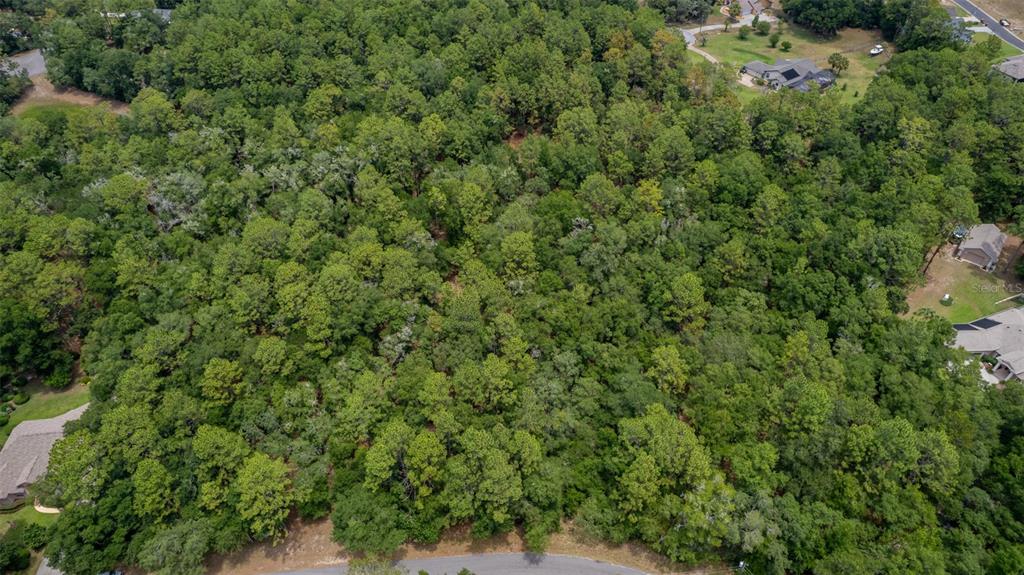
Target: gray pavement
(495,564)
(992,23)
(31,62)
(690,34)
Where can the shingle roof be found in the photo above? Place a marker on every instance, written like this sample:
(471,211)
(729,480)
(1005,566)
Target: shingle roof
(26,453)
(987,238)
(1013,67)
(790,73)
(1001,333)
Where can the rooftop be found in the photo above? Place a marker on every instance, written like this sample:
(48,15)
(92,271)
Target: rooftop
(1013,67)
(985,237)
(1001,333)
(26,453)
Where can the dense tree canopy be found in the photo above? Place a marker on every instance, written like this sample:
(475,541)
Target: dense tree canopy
(414,265)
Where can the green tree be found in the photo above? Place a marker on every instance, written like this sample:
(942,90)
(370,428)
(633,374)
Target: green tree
(838,62)
(264,495)
(153,491)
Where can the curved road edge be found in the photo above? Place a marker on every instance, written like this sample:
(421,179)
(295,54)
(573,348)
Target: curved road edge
(494,564)
(992,23)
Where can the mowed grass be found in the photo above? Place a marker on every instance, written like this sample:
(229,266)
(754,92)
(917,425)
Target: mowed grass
(975,293)
(853,43)
(36,110)
(26,514)
(1005,49)
(44,404)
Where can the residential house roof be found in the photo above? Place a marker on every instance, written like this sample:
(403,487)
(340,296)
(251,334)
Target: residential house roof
(1001,333)
(985,237)
(1013,67)
(26,453)
(800,74)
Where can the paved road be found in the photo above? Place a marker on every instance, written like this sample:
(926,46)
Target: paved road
(690,34)
(992,23)
(496,564)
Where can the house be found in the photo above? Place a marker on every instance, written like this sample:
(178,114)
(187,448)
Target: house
(1012,68)
(1000,336)
(801,75)
(982,246)
(26,454)
(960,31)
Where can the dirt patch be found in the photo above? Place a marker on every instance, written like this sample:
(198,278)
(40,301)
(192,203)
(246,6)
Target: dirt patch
(308,545)
(516,139)
(43,93)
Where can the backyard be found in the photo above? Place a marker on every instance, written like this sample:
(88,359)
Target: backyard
(43,404)
(975,293)
(854,43)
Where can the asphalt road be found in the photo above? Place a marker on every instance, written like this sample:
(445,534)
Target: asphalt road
(992,23)
(495,564)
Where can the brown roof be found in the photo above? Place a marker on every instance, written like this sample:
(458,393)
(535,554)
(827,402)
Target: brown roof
(1013,67)
(26,453)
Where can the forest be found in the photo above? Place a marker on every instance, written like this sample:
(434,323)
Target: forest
(507,264)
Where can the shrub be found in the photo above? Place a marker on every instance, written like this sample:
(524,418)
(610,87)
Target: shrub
(786,45)
(4,419)
(20,398)
(744,32)
(763,28)
(35,536)
(773,40)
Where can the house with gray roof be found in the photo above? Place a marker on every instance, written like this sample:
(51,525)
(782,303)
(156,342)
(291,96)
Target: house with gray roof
(1012,68)
(1001,336)
(801,75)
(982,246)
(26,454)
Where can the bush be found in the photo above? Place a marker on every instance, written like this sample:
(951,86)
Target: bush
(773,40)
(14,554)
(763,28)
(4,419)
(35,536)
(20,398)
(744,32)
(787,46)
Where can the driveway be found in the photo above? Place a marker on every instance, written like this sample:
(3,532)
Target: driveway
(495,564)
(31,62)
(992,23)
(690,34)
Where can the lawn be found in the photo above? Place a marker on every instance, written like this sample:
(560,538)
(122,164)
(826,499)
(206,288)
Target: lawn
(27,514)
(854,43)
(975,293)
(44,404)
(1005,50)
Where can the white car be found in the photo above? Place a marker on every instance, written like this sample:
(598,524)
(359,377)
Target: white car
(878,49)
(1004,23)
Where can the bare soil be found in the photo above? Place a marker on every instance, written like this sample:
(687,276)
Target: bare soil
(308,545)
(43,92)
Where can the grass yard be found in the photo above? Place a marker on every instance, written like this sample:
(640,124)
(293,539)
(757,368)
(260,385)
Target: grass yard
(44,404)
(975,293)
(1005,50)
(852,42)
(27,514)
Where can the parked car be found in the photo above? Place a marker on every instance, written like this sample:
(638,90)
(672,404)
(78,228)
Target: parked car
(878,49)
(1004,23)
